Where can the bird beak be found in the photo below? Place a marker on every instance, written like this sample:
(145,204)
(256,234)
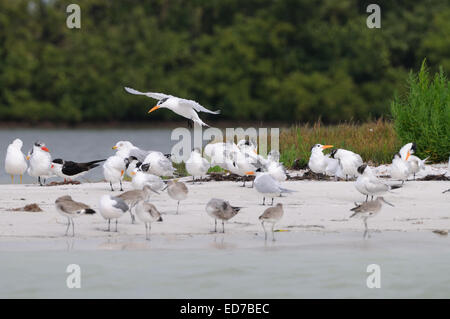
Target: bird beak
(28,157)
(408,155)
(154,108)
(387,202)
(121,172)
(114,147)
(326,146)
(45,149)
(249,173)
(52,166)
(133,173)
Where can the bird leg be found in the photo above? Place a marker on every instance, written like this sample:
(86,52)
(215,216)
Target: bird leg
(73,228)
(215,225)
(273,233)
(253,183)
(264,201)
(366,231)
(109,225)
(190,123)
(367,198)
(178,206)
(116,224)
(272,202)
(265,233)
(20,179)
(12,179)
(243,178)
(68,225)
(223,227)
(193,180)
(121,189)
(39,180)
(132,217)
(112,189)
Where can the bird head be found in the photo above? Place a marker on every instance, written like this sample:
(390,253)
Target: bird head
(161,104)
(362,168)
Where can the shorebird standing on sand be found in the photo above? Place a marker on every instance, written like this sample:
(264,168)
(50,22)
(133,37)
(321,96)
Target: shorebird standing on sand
(40,162)
(15,163)
(135,196)
(220,209)
(113,170)
(367,210)
(271,216)
(266,185)
(112,208)
(177,191)
(147,213)
(368,184)
(69,208)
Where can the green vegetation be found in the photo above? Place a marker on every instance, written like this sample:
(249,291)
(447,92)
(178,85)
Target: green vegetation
(376,142)
(423,115)
(294,61)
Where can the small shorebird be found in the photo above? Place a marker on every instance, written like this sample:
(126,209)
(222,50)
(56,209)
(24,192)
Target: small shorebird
(271,216)
(183,107)
(368,184)
(348,162)
(131,198)
(15,163)
(40,162)
(69,208)
(112,208)
(113,170)
(177,191)
(69,170)
(220,209)
(367,210)
(147,213)
(266,185)
(196,165)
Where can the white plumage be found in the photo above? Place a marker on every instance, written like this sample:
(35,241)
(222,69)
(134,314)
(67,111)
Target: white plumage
(15,163)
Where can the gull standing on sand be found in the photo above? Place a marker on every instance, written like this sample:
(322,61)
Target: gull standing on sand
(158,164)
(140,179)
(113,170)
(70,170)
(131,198)
(416,164)
(177,191)
(147,213)
(40,162)
(69,208)
(183,107)
(368,184)
(367,210)
(348,162)
(220,209)
(15,163)
(196,165)
(318,162)
(271,215)
(266,185)
(112,208)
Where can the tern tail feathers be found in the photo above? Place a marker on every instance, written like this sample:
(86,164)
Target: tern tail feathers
(285,190)
(89,211)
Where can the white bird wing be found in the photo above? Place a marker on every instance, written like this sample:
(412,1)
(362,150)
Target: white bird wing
(153,95)
(267,184)
(373,185)
(196,106)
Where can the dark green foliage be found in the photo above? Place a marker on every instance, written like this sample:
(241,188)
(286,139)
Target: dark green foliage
(290,61)
(423,115)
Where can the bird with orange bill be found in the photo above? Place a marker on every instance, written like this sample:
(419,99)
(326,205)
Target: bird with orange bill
(183,107)
(318,162)
(113,170)
(40,162)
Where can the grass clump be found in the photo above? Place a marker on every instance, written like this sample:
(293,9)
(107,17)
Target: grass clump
(423,115)
(376,141)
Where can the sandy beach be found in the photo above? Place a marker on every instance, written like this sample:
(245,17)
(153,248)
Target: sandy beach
(317,206)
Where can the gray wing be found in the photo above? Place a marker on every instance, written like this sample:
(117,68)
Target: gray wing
(196,106)
(120,204)
(139,154)
(376,186)
(166,164)
(266,184)
(154,95)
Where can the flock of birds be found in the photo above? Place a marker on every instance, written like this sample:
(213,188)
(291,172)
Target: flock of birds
(147,169)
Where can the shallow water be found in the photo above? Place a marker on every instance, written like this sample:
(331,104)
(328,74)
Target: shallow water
(82,145)
(298,265)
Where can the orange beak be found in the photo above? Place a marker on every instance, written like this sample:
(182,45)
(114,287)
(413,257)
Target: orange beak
(249,173)
(28,157)
(45,149)
(326,146)
(121,172)
(133,173)
(154,109)
(408,155)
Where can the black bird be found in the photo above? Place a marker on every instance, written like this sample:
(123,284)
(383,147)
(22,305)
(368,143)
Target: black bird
(69,170)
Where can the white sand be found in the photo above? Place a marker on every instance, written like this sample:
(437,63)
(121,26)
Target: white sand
(316,206)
